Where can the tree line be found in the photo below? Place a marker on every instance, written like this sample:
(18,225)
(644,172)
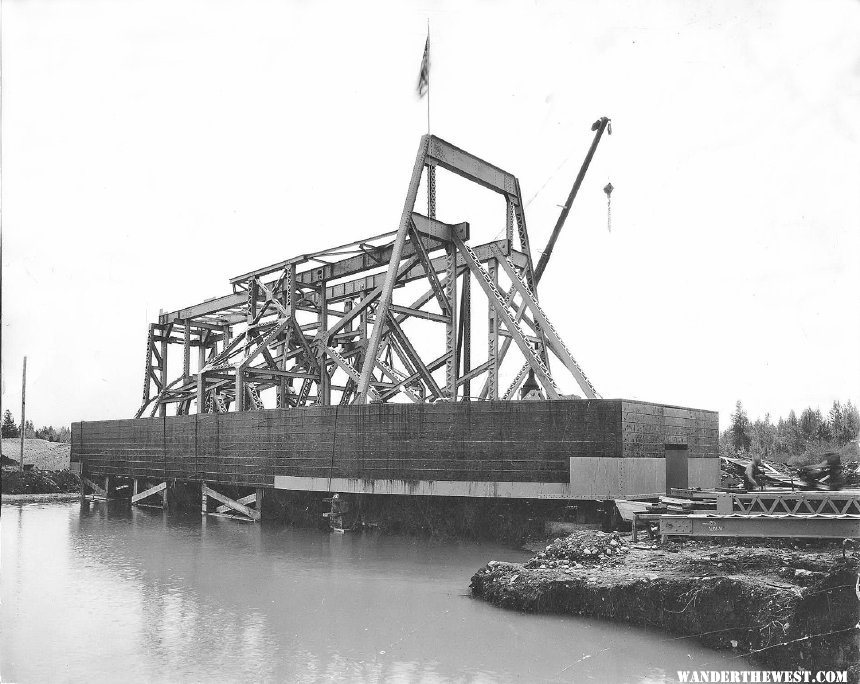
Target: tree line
(795,440)
(9,428)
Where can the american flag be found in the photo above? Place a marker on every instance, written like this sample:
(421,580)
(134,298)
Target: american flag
(424,74)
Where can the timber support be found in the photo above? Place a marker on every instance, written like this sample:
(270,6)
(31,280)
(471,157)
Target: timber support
(142,496)
(98,492)
(237,509)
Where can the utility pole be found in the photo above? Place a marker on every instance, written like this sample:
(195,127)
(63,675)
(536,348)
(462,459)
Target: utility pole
(23,414)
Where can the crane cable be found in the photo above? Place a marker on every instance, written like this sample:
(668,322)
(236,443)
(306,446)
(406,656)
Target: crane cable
(608,188)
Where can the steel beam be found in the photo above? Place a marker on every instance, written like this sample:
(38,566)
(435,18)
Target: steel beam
(436,232)
(431,367)
(491,386)
(390,276)
(817,503)
(162,409)
(546,330)
(436,286)
(414,357)
(814,526)
(502,310)
(469,166)
(274,348)
(464,338)
(451,325)
(338,292)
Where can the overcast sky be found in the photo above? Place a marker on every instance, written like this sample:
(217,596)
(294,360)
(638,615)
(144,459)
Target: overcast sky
(152,150)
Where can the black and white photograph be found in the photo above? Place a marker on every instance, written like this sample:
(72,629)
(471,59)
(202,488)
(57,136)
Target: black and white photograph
(430,341)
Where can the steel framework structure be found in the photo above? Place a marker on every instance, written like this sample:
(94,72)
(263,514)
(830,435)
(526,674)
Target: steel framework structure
(761,525)
(845,502)
(325,329)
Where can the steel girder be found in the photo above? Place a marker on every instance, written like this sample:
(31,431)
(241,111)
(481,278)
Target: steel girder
(330,320)
(761,525)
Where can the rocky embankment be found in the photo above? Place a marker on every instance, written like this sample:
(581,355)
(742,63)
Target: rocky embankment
(783,605)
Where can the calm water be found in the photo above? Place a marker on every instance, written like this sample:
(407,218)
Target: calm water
(105,593)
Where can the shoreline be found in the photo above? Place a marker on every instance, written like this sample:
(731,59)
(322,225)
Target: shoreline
(778,606)
(32,498)
(39,485)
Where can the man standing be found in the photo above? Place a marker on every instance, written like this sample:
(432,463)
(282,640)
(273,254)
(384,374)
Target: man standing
(753,474)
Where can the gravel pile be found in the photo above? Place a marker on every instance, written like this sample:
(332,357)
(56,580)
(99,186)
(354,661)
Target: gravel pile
(579,550)
(40,453)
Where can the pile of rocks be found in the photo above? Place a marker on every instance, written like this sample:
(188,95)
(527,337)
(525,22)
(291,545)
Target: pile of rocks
(581,549)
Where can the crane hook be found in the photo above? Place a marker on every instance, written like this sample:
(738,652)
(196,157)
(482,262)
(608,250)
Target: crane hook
(608,190)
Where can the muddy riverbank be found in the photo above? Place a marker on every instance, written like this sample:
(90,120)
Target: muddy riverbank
(34,483)
(33,498)
(784,605)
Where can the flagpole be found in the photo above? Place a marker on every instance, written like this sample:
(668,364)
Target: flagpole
(430,172)
(428,79)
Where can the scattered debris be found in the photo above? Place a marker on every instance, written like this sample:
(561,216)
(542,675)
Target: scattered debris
(581,548)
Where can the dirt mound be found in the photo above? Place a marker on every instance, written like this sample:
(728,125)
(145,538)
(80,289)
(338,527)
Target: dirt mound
(784,606)
(39,482)
(41,453)
(581,548)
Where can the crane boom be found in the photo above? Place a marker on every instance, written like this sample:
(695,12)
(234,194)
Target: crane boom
(599,126)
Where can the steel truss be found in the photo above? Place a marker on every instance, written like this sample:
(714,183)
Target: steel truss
(807,503)
(325,329)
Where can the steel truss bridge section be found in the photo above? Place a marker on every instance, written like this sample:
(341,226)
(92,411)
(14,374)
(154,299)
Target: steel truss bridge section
(761,525)
(846,502)
(334,327)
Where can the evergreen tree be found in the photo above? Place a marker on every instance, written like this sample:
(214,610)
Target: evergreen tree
(809,423)
(725,443)
(47,432)
(740,429)
(850,421)
(764,437)
(9,428)
(837,424)
(793,436)
(782,436)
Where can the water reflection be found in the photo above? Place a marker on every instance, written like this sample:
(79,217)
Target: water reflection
(95,590)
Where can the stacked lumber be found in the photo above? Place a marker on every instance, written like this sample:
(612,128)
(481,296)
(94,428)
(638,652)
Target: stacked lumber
(677,503)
